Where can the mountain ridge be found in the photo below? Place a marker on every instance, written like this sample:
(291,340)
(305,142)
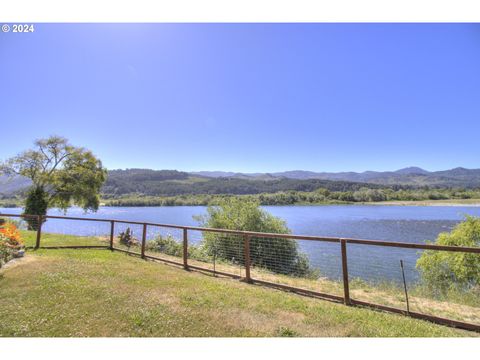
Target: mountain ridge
(414,176)
(167,182)
(302,173)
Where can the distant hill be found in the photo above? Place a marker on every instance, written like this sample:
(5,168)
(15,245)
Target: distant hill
(412,170)
(145,181)
(224,174)
(412,176)
(9,186)
(173,182)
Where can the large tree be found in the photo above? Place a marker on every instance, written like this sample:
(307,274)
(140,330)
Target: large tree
(62,175)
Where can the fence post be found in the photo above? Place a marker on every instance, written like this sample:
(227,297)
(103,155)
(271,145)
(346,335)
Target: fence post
(346,289)
(185,249)
(144,239)
(246,244)
(112,233)
(39,231)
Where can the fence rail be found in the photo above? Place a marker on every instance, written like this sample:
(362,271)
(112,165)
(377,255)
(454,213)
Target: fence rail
(243,241)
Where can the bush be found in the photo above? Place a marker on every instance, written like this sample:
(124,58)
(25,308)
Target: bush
(10,241)
(19,223)
(36,203)
(443,271)
(6,253)
(126,238)
(276,254)
(167,245)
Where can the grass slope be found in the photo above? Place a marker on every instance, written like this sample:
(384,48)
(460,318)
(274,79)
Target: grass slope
(104,293)
(454,305)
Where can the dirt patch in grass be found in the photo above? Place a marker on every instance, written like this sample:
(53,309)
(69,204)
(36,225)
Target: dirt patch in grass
(18,261)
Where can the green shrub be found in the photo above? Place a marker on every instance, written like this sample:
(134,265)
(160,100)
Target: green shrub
(126,238)
(279,255)
(165,244)
(169,246)
(36,203)
(444,271)
(6,252)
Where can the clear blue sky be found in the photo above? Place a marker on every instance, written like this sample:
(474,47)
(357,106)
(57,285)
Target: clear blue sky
(247,97)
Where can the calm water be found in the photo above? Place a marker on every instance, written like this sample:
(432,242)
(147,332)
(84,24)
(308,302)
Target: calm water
(415,224)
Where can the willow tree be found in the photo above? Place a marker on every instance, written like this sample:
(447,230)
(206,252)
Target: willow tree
(62,175)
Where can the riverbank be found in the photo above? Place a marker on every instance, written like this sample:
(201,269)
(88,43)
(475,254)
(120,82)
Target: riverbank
(450,202)
(280,199)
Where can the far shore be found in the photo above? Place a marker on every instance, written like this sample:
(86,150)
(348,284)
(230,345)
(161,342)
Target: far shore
(450,202)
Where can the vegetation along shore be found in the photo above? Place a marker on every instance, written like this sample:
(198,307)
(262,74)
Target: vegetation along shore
(321,196)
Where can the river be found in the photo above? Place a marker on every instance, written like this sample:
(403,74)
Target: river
(415,224)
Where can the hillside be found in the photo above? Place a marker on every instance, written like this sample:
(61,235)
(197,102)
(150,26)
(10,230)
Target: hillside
(172,182)
(10,186)
(412,176)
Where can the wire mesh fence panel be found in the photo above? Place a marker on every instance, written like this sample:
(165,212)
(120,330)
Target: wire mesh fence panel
(165,243)
(195,243)
(67,232)
(414,280)
(375,274)
(225,251)
(304,264)
(128,236)
(216,251)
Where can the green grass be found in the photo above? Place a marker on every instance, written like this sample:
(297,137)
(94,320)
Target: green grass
(104,293)
(29,238)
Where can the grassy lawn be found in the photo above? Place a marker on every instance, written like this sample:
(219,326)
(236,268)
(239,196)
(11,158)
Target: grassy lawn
(462,307)
(29,238)
(104,293)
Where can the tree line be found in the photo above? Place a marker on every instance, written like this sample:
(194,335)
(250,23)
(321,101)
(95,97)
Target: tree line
(319,196)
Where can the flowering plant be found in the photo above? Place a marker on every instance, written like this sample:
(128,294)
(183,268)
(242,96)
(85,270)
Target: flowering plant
(10,242)
(10,235)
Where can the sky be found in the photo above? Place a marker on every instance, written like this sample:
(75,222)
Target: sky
(247,97)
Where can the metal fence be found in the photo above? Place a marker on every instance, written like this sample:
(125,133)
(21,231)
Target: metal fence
(338,272)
